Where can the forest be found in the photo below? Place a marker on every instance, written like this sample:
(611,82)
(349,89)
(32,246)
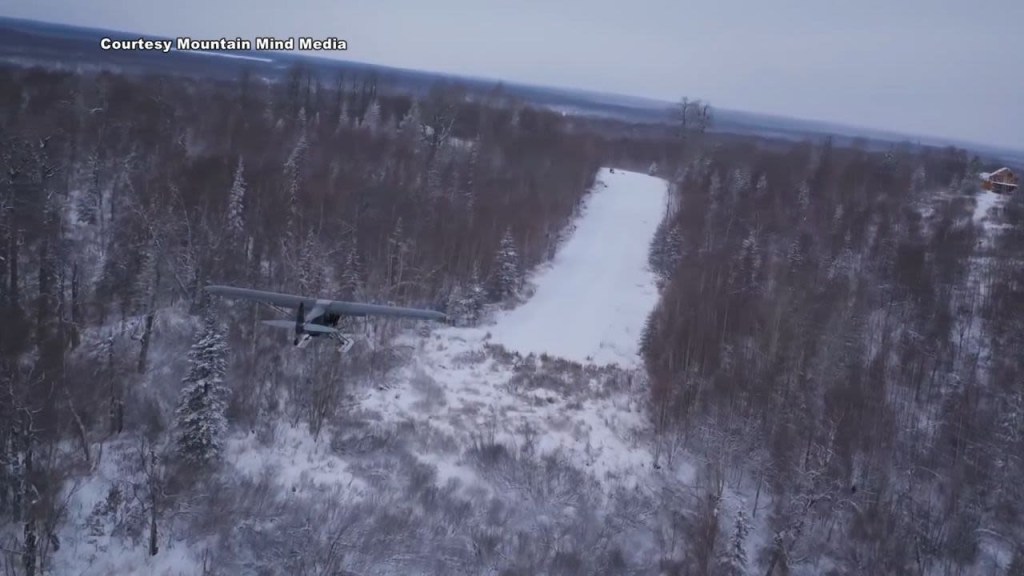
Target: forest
(855,353)
(837,346)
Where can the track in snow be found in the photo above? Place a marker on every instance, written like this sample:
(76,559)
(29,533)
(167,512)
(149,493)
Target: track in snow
(591,302)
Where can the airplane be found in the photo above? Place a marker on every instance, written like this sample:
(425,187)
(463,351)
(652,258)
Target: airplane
(323,315)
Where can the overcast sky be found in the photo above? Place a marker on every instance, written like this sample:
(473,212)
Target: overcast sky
(952,68)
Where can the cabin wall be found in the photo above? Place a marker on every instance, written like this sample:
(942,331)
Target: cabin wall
(1002,182)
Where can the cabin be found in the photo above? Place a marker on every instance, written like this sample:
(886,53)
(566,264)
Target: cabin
(1002,181)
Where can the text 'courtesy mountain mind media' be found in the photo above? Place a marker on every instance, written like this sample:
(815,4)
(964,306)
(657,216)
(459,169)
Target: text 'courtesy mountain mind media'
(184,43)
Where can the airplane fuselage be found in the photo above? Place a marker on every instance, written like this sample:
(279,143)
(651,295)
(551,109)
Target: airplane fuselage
(327,320)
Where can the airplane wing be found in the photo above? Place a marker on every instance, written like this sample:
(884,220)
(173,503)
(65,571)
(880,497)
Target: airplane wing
(360,309)
(272,298)
(332,306)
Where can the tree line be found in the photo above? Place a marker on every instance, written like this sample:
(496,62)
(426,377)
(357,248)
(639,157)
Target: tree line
(833,337)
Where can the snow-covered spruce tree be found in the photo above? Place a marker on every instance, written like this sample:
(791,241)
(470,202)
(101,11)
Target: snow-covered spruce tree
(761,188)
(507,276)
(293,176)
(739,182)
(656,256)
(200,419)
(146,289)
(955,183)
(673,250)
(666,249)
(970,182)
(409,125)
(919,180)
(372,118)
(456,306)
(466,301)
(90,203)
(470,172)
(516,119)
(804,199)
(435,185)
(744,274)
(734,559)
(236,208)
(344,116)
(311,268)
(1016,567)
(352,276)
(649,333)
(398,251)
(145,283)
(474,297)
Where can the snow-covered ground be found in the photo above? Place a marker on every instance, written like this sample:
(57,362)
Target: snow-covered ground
(985,201)
(457,389)
(558,376)
(972,347)
(98,505)
(589,307)
(986,215)
(591,302)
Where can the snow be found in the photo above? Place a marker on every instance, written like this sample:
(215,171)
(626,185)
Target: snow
(175,559)
(986,200)
(461,143)
(591,303)
(995,550)
(455,388)
(589,307)
(89,545)
(293,458)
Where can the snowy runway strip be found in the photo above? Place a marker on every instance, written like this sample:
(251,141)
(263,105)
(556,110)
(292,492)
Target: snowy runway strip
(591,302)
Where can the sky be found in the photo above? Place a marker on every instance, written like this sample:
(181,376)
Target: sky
(946,68)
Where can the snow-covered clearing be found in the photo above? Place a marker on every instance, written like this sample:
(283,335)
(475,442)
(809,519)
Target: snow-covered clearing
(985,202)
(592,300)
(457,389)
(589,307)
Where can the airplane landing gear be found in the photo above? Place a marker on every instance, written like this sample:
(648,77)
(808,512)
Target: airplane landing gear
(345,342)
